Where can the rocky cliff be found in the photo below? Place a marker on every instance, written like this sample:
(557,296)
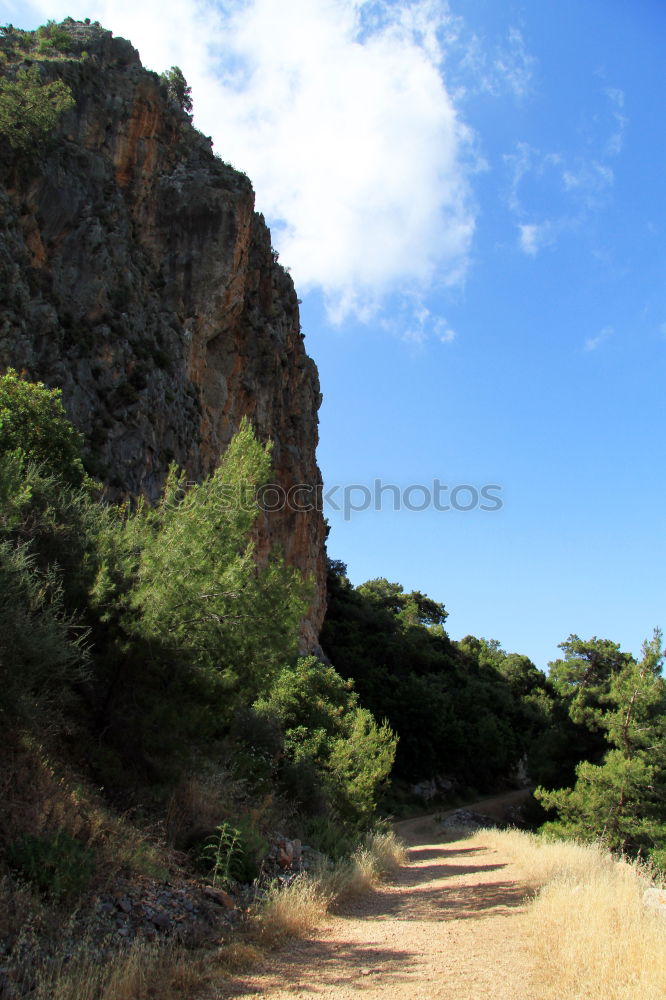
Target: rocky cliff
(136,275)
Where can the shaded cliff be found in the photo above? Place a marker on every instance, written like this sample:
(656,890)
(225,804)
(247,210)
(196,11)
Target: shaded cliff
(136,275)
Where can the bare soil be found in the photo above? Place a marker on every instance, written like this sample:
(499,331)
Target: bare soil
(451,925)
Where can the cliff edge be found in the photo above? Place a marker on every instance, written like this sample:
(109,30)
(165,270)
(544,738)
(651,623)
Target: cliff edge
(136,275)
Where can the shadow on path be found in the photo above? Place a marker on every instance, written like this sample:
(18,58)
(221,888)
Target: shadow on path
(441,884)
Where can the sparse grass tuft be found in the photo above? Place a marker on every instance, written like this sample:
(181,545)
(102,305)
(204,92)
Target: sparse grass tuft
(293,911)
(237,956)
(301,906)
(388,851)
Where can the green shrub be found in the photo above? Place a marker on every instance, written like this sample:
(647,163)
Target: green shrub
(42,653)
(52,37)
(329,735)
(254,848)
(56,863)
(329,838)
(30,109)
(302,783)
(256,743)
(178,89)
(33,419)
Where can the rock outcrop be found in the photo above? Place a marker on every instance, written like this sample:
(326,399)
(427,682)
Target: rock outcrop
(136,275)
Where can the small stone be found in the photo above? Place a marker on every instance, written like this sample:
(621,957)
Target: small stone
(220,896)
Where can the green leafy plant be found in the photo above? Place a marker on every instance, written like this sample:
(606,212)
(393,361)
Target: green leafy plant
(178,89)
(53,37)
(329,736)
(621,799)
(30,108)
(222,852)
(56,863)
(33,419)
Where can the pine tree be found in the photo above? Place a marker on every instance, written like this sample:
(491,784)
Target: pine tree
(621,800)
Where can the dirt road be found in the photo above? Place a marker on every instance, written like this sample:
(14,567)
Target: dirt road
(449,927)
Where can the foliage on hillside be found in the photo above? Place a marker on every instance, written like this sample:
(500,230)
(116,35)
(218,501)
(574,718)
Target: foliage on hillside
(621,798)
(466,710)
(144,647)
(144,652)
(470,711)
(31,104)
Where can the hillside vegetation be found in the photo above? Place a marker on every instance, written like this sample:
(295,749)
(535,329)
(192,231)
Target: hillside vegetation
(150,670)
(163,731)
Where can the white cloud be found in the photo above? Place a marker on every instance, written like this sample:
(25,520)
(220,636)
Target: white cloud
(443,332)
(514,65)
(338,112)
(505,67)
(416,324)
(574,184)
(530,237)
(592,343)
(616,140)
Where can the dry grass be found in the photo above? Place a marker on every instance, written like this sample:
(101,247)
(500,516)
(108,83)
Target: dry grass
(591,935)
(155,971)
(39,795)
(142,972)
(293,910)
(300,907)
(388,851)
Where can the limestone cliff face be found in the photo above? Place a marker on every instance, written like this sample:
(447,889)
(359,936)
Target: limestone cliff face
(136,275)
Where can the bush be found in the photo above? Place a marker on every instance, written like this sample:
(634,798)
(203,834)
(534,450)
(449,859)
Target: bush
(52,37)
(328,838)
(30,109)
(178,89)
(42,654)
(33,419)
(328,735)
(55,863)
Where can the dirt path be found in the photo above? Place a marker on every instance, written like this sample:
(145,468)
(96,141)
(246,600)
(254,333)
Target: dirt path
(448,928)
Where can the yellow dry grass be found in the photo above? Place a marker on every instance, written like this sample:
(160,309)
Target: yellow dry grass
(590,932)
(141,973)
(300,907)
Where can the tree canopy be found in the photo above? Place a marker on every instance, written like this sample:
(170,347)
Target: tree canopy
(30,107)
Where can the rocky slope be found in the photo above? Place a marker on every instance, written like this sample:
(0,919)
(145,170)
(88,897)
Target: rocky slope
(136,275)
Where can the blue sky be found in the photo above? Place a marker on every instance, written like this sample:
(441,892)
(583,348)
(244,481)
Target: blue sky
(471,200)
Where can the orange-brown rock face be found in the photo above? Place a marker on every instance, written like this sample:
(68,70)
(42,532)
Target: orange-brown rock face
(136,275)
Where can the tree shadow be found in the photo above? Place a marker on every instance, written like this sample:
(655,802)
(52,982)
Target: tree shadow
(322,965)
(427,873)
(438,850)
(336,964)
